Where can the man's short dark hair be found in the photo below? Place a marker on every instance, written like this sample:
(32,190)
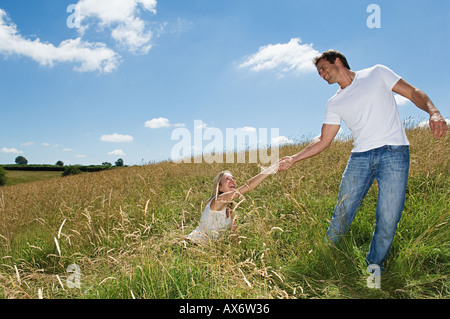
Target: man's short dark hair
(331,56)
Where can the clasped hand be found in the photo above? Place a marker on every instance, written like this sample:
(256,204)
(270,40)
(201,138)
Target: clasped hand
(285,163)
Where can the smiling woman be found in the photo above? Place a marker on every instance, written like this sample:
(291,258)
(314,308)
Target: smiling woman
(218,216)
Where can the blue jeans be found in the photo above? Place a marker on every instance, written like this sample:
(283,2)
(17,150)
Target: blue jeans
(389,165)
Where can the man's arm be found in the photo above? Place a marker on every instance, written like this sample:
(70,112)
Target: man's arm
(322,143)
(421,100)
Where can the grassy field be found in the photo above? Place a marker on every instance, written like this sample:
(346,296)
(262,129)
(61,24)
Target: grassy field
(19,177)
(125,230)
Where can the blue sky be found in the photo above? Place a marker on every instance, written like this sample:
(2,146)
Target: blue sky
(112,79)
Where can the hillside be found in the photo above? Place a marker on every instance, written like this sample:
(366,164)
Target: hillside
(124,230)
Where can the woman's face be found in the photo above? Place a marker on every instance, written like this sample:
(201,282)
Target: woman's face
(227,184)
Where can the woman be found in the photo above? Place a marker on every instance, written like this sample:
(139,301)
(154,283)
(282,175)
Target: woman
(218,216)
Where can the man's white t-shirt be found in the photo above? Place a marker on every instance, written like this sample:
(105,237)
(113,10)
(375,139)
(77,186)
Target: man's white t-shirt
(368,108)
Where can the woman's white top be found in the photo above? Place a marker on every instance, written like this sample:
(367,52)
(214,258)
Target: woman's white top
(213,225)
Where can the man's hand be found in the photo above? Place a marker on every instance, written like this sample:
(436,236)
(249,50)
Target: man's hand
(285,163)
(438,125)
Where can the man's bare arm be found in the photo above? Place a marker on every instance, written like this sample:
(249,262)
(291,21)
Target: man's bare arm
(322,143)
(437,123)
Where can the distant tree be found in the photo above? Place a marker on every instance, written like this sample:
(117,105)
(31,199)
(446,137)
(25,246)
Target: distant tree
(59,163)
(3,177)
(21,160)
(71,170)
(106,164)
(119,162)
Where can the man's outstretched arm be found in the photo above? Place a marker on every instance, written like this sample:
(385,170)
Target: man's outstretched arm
(322,143)
(438,125)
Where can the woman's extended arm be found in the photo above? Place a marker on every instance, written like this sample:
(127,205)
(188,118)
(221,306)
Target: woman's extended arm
(223,199)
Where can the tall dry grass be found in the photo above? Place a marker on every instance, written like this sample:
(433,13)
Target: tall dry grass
(125,229)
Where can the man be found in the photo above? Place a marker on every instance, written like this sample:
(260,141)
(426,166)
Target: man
(365,102)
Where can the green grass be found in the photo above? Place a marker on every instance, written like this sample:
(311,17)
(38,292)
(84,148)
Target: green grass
(19,177)
(126,231)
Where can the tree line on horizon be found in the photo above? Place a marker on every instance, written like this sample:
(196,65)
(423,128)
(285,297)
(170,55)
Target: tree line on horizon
(22,164)
(21,160)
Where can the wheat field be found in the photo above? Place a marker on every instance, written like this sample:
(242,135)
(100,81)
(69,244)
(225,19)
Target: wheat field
(124,232)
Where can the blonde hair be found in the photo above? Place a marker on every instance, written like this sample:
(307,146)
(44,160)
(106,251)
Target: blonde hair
(215,189)
(216,183)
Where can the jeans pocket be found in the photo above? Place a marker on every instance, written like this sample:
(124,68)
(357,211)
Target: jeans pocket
(398,148)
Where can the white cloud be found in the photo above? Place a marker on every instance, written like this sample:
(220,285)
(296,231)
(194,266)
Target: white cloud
(158,123)
(10,151)
(283,57)
(116,138)
(400,99)
(66,149)
(80,156)
(122,17)
(27,144)
(118,152)
(48,145)
(88,56)
(280,140)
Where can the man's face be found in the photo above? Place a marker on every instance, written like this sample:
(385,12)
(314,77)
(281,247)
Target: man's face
(328,71)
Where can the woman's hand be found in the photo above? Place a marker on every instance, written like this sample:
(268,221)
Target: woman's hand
(285,163)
